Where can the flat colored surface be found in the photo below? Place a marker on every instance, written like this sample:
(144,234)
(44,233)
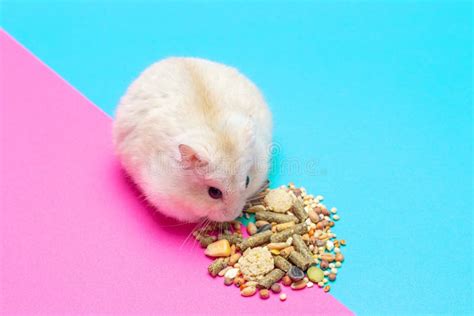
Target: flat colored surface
(377,94)
(75,236)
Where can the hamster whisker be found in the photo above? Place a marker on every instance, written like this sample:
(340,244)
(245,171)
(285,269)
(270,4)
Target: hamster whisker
(191,233)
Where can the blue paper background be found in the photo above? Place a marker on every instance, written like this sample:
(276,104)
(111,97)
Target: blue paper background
(378,95)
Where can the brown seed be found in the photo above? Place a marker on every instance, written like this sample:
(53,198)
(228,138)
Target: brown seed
(339,257)
(277,245)
(248,291)
(327,288)
(320,243)
(276,288)
(331,223)
(313,216)
(238,281)
(320,225)
(299,285)
(228,281)
(232,249)
(305,238)
(286,251)
(234,258)
(251,229)
(324,265)
(343,242)
(325,211)
(332,277)
(286,281)
(328,257)
(264,294)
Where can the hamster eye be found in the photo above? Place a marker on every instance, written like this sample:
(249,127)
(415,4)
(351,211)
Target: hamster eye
(215,193)
(247,181)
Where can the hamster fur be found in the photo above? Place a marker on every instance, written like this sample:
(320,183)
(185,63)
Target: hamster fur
(188,129)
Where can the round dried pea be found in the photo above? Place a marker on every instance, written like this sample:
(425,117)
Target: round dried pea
(276,288)
(264,294)
(315,274)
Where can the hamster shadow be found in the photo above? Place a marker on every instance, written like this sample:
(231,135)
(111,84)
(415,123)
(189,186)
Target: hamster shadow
(162,222)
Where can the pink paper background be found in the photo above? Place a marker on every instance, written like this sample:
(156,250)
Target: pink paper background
(75,236)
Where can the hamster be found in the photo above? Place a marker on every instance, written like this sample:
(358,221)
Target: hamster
(195,136)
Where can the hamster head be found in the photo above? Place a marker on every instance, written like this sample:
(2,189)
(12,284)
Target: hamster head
(217,178)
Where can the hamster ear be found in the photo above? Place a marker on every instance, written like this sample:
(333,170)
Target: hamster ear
(190,158)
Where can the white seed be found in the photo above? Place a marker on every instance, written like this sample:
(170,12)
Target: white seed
(222,272)
(334,210)
(320,197)
(327,218)
(309,284)
(334,270)
(282,296)
(326,272)
(336,217)
(338,264)
(325,280)
(332,265)
(289,241)
(306,279)
(311,247)
(329,245)
(231,273)
(337,250)
(237,265)
(321,284)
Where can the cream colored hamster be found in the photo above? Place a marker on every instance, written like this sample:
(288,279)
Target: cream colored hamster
(195,136)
